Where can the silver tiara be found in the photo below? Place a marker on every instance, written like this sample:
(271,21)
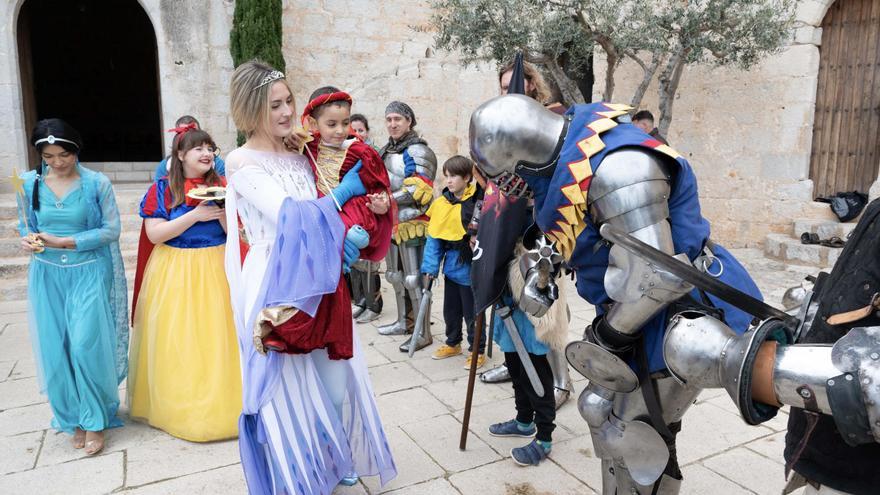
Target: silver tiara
(271,77)
(52,139)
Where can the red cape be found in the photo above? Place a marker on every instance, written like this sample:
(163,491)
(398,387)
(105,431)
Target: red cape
(355,212)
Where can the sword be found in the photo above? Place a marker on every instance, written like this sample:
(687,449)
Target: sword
(490,333)
(504,312)
(369,286)
(695,277)
(421,315)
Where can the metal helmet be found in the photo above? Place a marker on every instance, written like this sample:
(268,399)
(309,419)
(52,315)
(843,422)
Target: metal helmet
(515,133)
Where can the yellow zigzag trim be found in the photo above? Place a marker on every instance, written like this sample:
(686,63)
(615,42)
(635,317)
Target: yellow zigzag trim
(575,213)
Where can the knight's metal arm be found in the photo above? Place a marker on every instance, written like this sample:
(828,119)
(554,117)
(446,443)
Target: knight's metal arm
(630,191)
(761,372)
(539,268)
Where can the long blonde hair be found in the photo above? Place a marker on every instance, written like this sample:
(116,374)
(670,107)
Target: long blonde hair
(249,101)
(541,91)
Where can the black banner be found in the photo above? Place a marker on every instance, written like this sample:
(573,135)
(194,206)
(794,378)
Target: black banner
(502,221)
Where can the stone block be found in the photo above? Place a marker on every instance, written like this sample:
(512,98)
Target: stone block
(452,392)
(771,447)
(396,376)
(749,469)
(707,430)
(167,457)
(25,419)
(806,253)
(438,486)
(811,12)
(101,474)
(413,464)
(578,457)
(20,393)
(410,406)
(19,452)
(440,436)
(699,480)
(228,479)
(24,368)
(6,369)
(503,478)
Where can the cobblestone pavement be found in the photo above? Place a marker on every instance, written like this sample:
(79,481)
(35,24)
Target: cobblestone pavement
(421,401)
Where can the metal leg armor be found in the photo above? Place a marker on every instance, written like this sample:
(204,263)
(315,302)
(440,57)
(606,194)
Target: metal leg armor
(562,385)
(497,374)
(372,297)
(635,457)
(411,256)
(394,276)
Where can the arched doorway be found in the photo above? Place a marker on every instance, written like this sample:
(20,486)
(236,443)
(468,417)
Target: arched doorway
(846,132)
(94,64)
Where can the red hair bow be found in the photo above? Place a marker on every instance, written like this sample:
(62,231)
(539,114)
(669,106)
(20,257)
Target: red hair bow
(182,129)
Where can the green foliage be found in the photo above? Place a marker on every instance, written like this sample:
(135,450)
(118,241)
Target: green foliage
(256,32)
(724,32)
(662,36)
(493,30)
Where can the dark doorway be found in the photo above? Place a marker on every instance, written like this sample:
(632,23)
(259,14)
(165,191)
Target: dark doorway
(93,63)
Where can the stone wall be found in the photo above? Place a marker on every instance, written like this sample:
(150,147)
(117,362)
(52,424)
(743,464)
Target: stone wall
(367,48)
(371,50)
(747,134)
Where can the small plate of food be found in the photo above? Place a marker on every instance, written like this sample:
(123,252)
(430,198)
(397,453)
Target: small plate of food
(217,194)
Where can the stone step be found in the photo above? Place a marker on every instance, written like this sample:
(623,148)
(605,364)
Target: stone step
(819,211)
(825,229)
(785,248)
(15,268)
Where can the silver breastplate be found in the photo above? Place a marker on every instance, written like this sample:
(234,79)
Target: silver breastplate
(396,170)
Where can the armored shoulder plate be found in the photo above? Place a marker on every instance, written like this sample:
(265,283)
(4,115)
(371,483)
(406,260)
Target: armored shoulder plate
(630,189)
(426,161)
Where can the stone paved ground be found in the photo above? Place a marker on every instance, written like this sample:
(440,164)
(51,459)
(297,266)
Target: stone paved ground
(421,402)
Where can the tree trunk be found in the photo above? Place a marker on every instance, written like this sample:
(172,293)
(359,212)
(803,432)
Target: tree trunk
(612,55)
(585,80)
(669,80)
(571,94)
(611,67)
(649,71)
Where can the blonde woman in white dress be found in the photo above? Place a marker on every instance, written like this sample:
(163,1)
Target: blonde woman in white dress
(310,420)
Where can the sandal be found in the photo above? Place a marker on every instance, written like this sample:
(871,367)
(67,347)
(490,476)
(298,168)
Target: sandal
(79,439)
(834,242)
(95,445)
(810,238)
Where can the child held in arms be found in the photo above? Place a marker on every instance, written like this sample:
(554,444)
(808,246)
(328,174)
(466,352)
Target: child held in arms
(333,151)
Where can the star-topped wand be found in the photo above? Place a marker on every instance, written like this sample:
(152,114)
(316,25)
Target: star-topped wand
(24,213)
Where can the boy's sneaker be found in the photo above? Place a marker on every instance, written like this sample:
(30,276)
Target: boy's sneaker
(512,429)
(481,360)
(529,455)
(446,351)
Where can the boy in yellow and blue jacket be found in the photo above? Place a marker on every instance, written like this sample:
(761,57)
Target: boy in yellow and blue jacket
(448,244)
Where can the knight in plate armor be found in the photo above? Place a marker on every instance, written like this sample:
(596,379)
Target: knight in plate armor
(412,167)
(591,167)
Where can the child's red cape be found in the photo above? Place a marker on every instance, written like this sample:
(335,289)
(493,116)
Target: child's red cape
(355,212)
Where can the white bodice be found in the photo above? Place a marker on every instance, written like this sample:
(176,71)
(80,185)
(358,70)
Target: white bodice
(262,180)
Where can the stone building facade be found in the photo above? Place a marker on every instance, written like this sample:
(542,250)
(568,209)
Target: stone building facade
(748,135)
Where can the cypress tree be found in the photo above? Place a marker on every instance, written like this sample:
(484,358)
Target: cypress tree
(256,32)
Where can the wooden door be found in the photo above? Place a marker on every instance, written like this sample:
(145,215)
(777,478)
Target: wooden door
(846,131)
